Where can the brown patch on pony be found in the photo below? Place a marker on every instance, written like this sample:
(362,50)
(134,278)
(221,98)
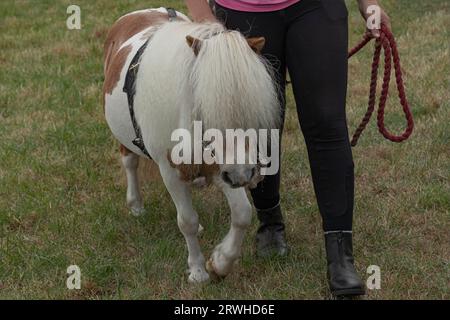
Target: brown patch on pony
(112,73)
(124,150)
(190,172)
(126,27)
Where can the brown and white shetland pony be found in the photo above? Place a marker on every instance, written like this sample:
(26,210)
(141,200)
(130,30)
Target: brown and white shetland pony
(188,71)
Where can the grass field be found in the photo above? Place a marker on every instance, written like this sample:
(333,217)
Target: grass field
(62,191)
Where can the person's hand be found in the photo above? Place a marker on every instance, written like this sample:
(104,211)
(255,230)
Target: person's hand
(385,20)
(200,11)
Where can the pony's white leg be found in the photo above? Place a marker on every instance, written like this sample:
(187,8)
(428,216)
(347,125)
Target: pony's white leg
(130,162)
(187,222)
(228,251)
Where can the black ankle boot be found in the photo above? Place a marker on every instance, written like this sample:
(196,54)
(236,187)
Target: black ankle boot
(342,277)
(270,238)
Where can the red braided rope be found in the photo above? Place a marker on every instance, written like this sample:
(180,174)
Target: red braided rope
(386,42)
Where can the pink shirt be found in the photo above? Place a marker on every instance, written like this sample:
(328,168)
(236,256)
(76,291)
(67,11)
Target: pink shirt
(256,5)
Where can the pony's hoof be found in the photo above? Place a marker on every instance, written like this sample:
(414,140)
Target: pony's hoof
(212,271)
(199,276)
(137,212)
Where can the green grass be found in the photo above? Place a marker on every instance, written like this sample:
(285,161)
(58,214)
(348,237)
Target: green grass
(62,192)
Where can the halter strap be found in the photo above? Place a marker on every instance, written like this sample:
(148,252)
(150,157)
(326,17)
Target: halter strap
(130,89)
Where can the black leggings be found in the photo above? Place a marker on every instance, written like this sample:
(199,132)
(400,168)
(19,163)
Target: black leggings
(310,40)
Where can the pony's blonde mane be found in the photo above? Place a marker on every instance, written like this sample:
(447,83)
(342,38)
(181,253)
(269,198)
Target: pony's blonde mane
(233,87)
(227,86)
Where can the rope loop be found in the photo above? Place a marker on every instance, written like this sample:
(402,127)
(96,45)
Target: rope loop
(388,45)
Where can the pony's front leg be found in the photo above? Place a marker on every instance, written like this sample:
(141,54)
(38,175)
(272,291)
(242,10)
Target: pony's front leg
(228,251)
(187,222)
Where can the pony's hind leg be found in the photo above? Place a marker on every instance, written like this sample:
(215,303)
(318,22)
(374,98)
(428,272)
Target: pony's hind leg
(187,220)
(228,251)
(130,162)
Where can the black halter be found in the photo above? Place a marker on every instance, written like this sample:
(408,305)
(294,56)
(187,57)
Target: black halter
(130,89)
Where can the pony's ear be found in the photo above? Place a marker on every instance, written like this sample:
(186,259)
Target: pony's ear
(194,43)
(257,44)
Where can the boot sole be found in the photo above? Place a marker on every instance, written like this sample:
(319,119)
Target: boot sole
(349,292)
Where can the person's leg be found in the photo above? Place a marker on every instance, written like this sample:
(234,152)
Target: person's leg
(266,196)
(316,46)
(317,62)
